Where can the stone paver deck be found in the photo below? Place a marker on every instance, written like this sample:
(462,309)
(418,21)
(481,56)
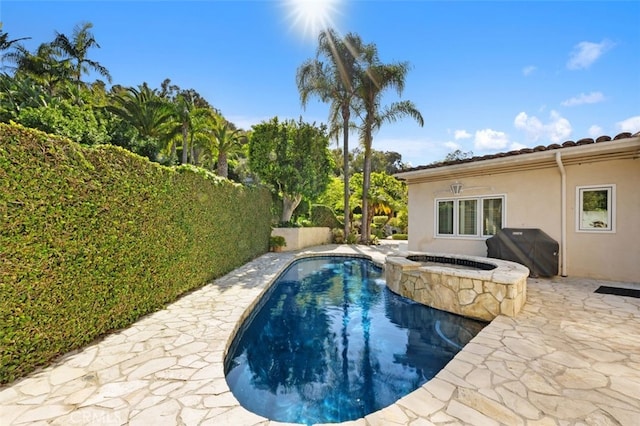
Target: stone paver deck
(571,357)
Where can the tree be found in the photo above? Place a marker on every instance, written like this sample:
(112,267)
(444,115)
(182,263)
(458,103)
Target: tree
(387,195)
(77,48)
(146,112)
(333,81)
(18,93)
(42,66)
(293,157)
(193,117)
(389,162)
(373,80)
(226,141)
(5,43)
(188,117)
(458,155)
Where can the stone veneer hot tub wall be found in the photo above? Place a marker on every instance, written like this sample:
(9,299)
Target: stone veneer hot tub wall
(476,293)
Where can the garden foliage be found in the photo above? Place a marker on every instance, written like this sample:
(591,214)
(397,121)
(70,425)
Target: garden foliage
(324,216)
(94,238)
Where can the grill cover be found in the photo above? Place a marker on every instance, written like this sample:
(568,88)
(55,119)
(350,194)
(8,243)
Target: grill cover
(532,248)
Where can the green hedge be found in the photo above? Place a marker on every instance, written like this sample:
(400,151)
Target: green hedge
(324,216)
(91,239)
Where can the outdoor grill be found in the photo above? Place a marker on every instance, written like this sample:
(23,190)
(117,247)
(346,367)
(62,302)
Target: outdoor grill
(532,248)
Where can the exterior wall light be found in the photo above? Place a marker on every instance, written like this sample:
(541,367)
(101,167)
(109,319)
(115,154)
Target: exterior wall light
(456,188)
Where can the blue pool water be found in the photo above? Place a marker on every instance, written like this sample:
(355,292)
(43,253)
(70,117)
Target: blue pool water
(330,343)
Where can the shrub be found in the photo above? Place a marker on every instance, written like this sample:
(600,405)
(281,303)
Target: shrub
(377,231)
(277,241)
(380,221)
(324,216)
(402,220)
(400,237)
(337,235)
(94,238)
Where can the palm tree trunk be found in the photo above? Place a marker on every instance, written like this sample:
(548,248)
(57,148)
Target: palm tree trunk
(192,152)
(173,152)
(345,137)
(366,183)
(223,166)
(185,143)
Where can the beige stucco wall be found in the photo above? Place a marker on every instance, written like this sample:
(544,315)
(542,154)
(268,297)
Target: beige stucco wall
(533,200)
(299,238)
(519,191)
(606,255)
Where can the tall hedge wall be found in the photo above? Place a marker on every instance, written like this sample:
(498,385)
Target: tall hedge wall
(93,238)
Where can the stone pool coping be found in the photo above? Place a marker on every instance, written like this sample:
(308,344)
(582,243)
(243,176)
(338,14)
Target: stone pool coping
(476,293)
(570,357)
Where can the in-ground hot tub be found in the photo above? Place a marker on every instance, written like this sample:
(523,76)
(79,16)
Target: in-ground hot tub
(476,287)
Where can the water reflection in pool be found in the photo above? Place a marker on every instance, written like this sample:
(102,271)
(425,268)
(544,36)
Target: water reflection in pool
(329,343)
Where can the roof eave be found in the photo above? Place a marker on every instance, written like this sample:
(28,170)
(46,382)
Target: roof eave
(541,159)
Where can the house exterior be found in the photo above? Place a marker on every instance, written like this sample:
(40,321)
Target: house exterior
(585,195)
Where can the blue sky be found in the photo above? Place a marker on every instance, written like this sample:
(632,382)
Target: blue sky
(487,76)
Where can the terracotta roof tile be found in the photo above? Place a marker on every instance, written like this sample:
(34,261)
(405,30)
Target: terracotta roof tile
(539,148)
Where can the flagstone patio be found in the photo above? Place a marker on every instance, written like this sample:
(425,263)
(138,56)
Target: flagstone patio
(570,357)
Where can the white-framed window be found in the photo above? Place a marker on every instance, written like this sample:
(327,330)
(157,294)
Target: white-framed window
(595,210)
(469,217)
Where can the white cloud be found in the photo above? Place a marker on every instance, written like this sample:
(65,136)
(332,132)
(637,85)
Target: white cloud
(559,128)
(528,70)
(461,134)
(595,131)
(584,98)
(556,130)
(585,53)
(452,145)
(514,146)
(532,125)
(631,124)
(488,139)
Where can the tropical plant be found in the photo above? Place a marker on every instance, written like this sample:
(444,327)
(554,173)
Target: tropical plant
(276,242)
(76,50)
(193,124)
(227,141)
(387,195)
(293,157)
(42,66)
(145,111)
(65,118)
(5,42)
(373,80)
(333,81)
(19,92)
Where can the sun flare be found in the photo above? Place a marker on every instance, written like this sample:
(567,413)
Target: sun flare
(309,17)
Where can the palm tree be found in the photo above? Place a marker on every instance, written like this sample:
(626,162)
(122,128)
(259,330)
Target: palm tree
(192,122)
(226,141)
(42,66)
(334,81)
(77,48)
(373,80)
(145,111)
(5,43)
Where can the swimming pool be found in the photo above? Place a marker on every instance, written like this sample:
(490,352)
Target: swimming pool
(328,342)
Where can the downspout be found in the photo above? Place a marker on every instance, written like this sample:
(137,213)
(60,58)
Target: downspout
(563,221)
